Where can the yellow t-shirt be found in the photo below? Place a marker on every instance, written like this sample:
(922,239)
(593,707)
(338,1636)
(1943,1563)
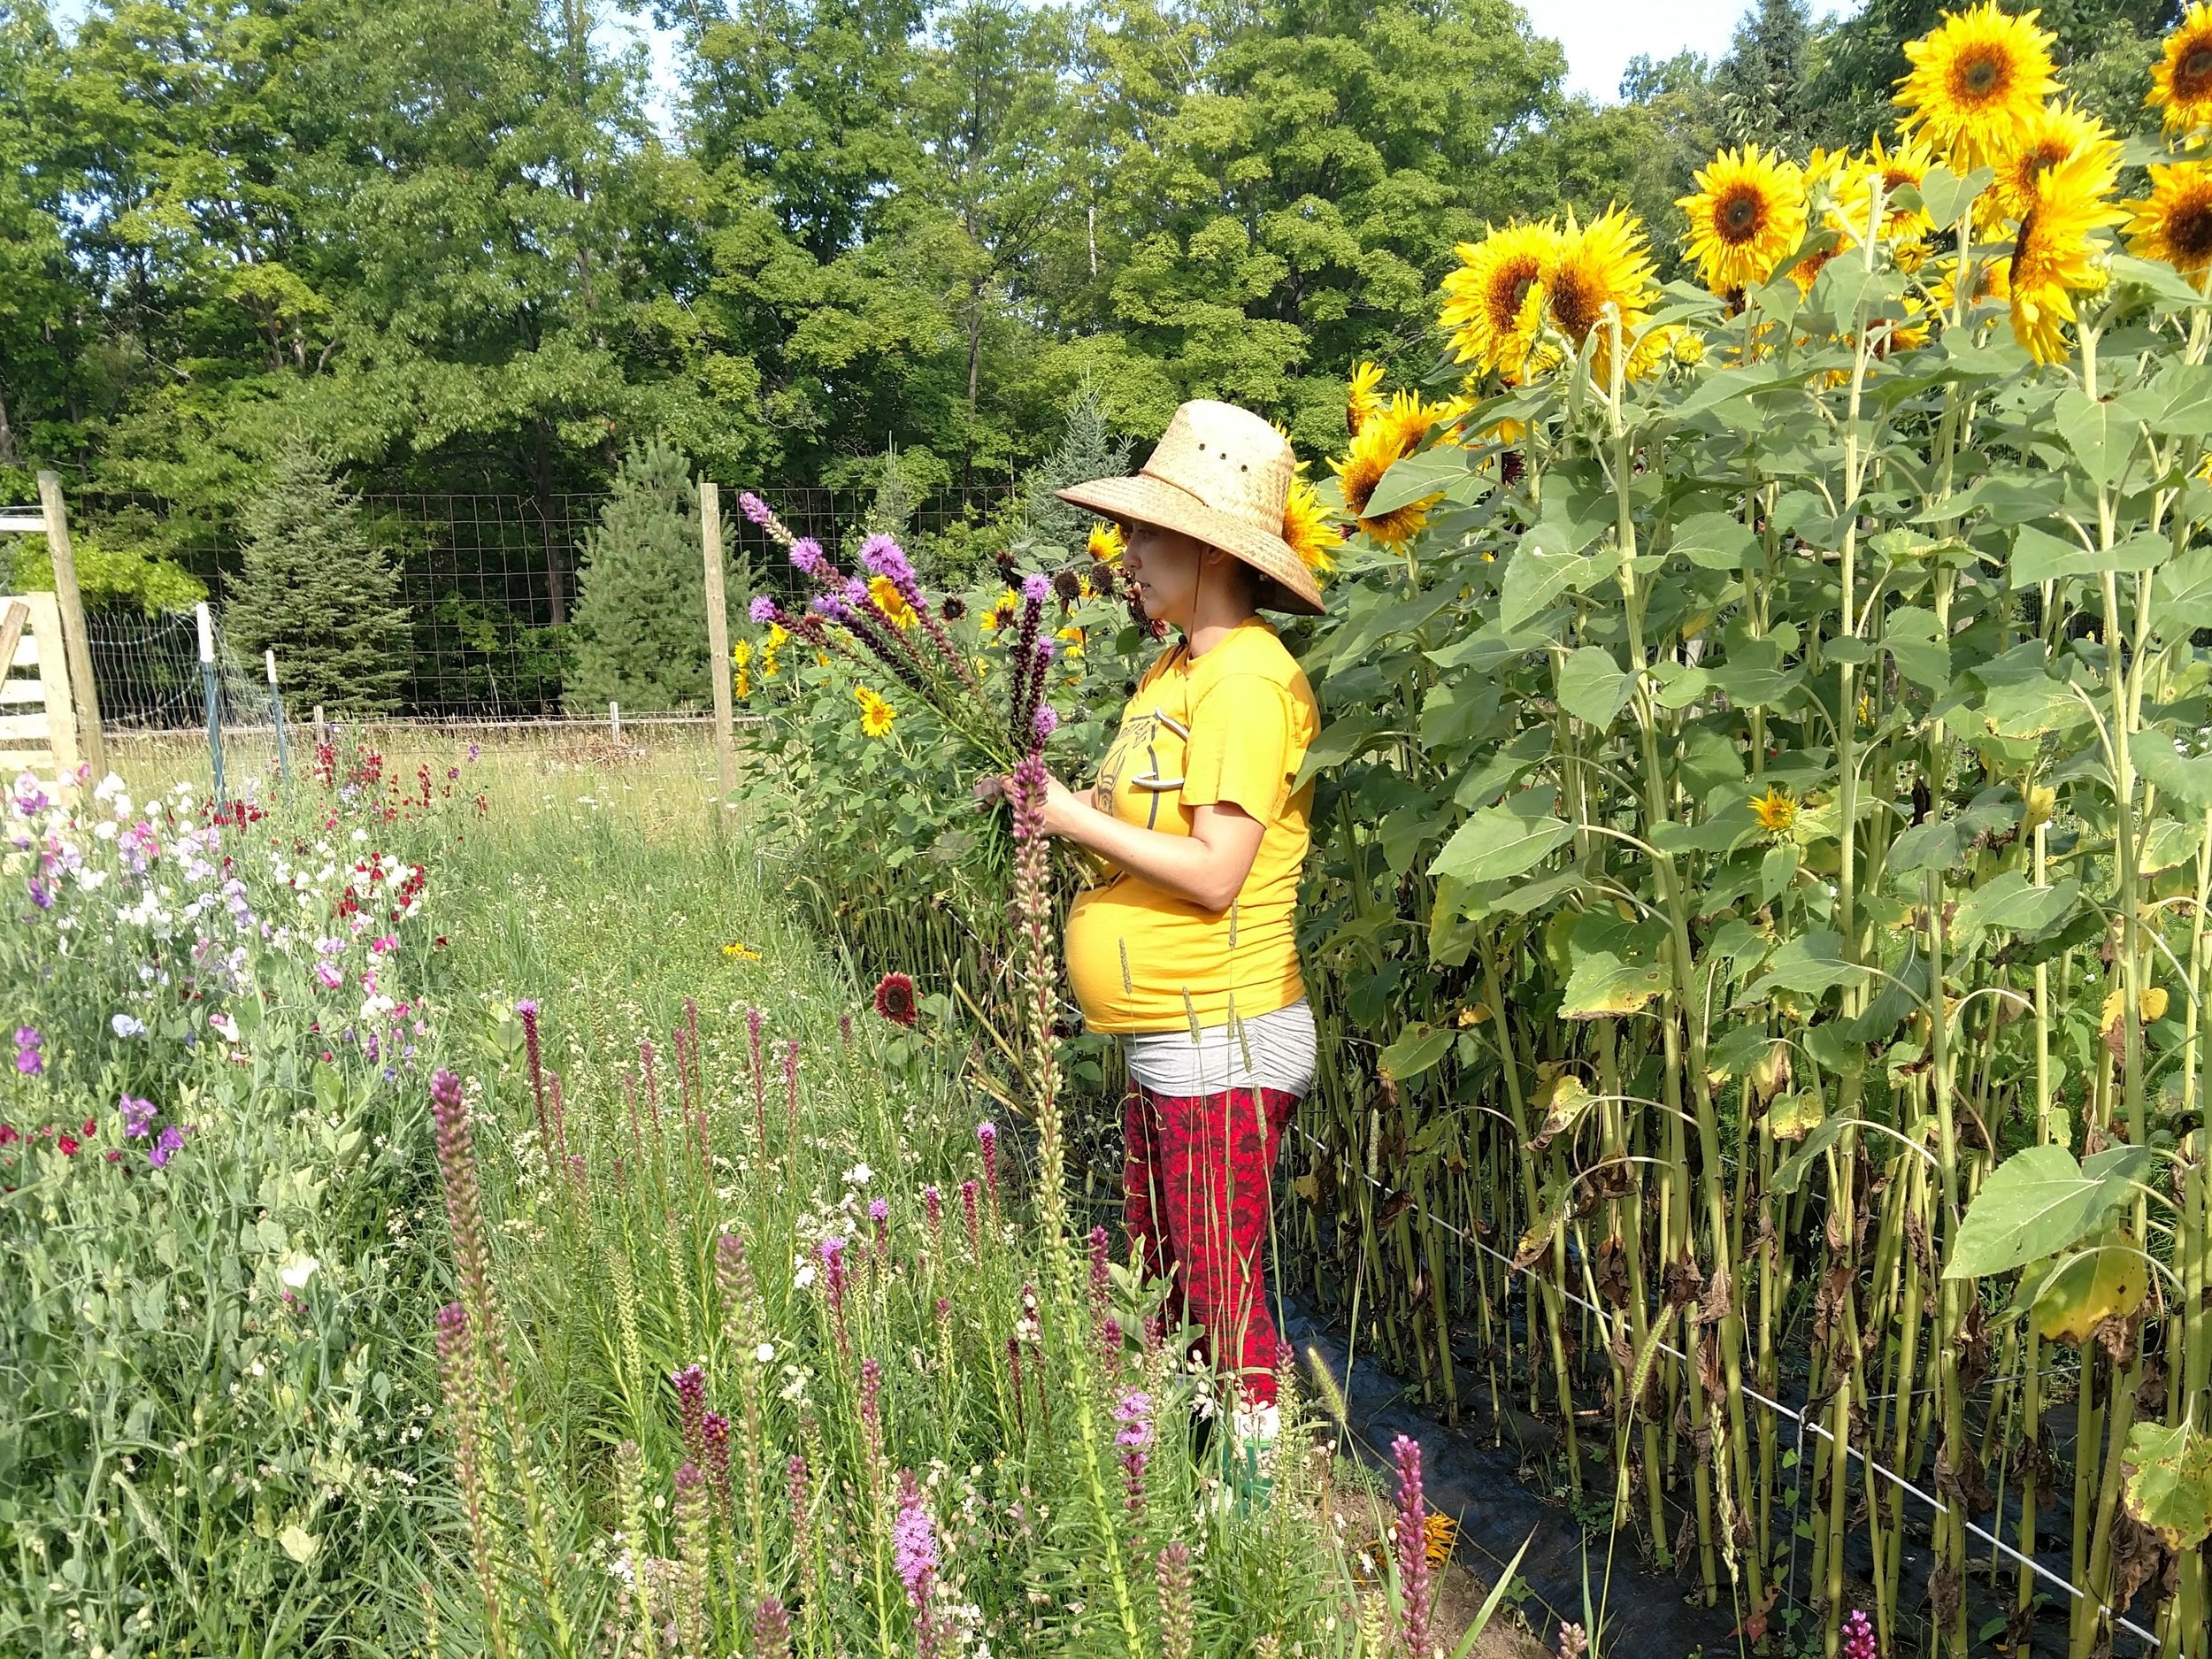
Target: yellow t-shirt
(1231,726)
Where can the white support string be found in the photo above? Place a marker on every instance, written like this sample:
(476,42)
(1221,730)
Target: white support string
(1798,1417)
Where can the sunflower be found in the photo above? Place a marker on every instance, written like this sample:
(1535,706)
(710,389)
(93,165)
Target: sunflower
(1775,810)
(1392,433)
(1487,298)
(741,659)
(2181,79)
(887,597)
(1003,610)
(876,715)
(737,950)
(895,999)
(1307,528)
(1747,216)
(1071,640)
(1976,80)
(1106,544)
(1808,270)
(1993,282)
(2055,254)
(1596,267)
(1360,397)
(1892,170)
(2057,132)
(2174,223)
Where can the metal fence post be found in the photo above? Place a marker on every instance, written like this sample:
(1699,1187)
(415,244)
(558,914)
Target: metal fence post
(276,708)
(207,685)
(717,637)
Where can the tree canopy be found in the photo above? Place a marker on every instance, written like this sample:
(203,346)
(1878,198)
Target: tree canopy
(452,245)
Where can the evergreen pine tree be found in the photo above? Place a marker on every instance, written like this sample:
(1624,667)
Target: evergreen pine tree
(312,587)
(1762,79)
(1086,450)
(641,610)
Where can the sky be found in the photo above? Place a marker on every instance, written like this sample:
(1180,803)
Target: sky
(1600,35)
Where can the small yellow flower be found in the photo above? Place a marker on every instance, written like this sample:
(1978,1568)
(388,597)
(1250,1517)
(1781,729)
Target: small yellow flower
(1004,611)
(742,653)
(876,715)
(1071,640)
(1106,545)
(1362,396)
(736,952)
(891,602)
(1775,810)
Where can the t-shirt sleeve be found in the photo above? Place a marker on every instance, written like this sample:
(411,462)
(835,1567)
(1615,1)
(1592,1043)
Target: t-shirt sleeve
(1241,739)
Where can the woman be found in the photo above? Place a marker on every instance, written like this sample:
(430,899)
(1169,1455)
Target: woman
(1185,947)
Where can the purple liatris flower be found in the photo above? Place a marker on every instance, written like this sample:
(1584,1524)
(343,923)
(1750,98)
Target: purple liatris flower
(762,610)
(806,553)
(691,1405)
(975,1232)
(772,1629)
(879,1212)
(1133,1413)
(1046,721)
(30,1059)
(987,1136)
(1411,1538)
(1036,587)
(1858,1637)
(914,1556)
(883,556)
(715,1437)
(753,507)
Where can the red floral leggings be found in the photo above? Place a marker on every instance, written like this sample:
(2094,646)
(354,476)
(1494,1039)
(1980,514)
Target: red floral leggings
(1199,1182)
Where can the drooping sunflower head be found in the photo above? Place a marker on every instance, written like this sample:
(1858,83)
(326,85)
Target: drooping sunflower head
(1977,79)
(1775,810)
(1485,298)
(2057,132)
(1892,170)
(1600,267)
(2174,223)
(1106,544)
(1307,528)
(2181,79)
(2058,251)
(1747,215)
(1362,395)
(1394,431)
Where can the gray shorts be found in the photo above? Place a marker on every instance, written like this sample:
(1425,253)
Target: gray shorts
(1275,1051)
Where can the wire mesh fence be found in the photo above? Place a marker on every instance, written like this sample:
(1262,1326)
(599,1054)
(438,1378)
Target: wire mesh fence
(489,584)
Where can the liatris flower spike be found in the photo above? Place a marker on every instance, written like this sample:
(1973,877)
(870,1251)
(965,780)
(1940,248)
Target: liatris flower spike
(763,610)
(1411,1538)
(1858,1637)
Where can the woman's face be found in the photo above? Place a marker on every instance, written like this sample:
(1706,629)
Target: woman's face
(1165,566)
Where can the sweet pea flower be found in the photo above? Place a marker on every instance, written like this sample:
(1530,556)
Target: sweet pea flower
(125,1026)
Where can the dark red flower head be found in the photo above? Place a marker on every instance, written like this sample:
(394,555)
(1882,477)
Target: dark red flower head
(895,998)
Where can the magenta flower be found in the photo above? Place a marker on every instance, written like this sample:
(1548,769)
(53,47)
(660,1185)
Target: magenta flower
(1036,587)
(1046,721)
(884,557)
(29,1058)
(1858,1637)
(762,610)
(806,553)
(1133,1413)
(879,1210)
(753,507)
(987,1136)
(1411,1537)
(914,1556)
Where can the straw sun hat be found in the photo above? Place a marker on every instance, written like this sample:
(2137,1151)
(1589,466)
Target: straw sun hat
(1222,475)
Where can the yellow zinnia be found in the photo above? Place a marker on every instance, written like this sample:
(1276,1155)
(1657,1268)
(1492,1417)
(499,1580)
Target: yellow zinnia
(1307,528)
(2055,254)
(1487,298)
(2174,223)
(1746,217)
(2059,132)
(1597,268)
(2181,79)
(1978,80)
(1394,431)
(891,602)
(1361,397)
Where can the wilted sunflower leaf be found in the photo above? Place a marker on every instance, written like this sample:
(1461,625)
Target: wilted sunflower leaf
(1566,1100)
(1614,968)
(2108,1280)
(2170,1482)
(1794,1117)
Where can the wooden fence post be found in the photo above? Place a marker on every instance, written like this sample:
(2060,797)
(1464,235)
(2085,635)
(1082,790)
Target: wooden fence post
(92,744)
(614,720)
(717,635)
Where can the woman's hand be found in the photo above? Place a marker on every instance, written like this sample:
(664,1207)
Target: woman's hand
(1064,807)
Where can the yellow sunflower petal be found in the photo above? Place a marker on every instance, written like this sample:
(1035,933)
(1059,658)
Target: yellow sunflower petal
(1361,397)
(2174,223)
(2058,251)
(1597,268)
(2181,79)
(1747,216)
(1485,298)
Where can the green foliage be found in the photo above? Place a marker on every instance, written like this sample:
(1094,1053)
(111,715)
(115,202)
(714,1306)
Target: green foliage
(1088,450)
(639,638)
(312,586)
(105,574)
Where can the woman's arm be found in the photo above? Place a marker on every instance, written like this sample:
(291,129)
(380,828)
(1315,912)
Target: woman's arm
(1206,867)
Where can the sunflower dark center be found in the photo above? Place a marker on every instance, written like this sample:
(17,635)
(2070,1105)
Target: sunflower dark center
(1509,289)
(1984,75)
(1739,215)
(1575,306)
(2192,75)
(2189,232)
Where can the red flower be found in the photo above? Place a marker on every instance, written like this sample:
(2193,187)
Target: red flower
(68,1145)
(91,1126)
(895,998)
